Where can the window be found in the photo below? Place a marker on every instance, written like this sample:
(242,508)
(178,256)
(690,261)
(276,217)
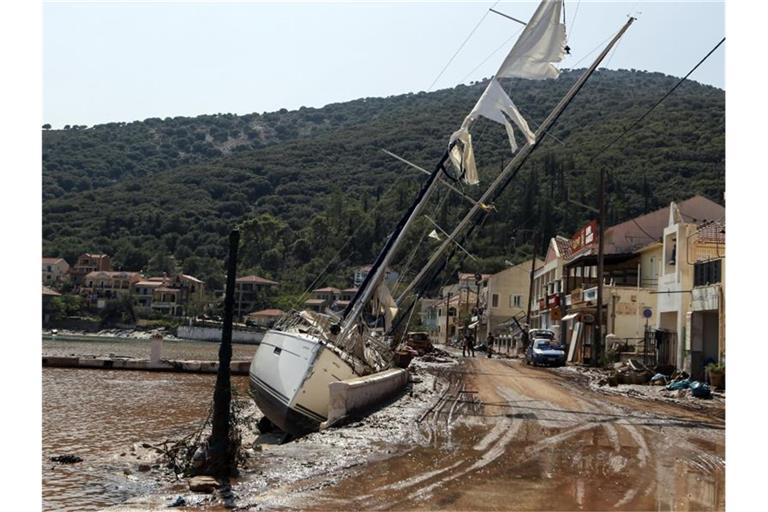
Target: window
(495,300)
(706,272)
(517,300)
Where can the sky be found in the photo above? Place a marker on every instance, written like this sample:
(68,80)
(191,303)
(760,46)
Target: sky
(120,61)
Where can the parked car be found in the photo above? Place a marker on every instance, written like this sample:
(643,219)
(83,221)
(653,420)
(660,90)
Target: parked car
(534,334)
(544,351)
(419,341)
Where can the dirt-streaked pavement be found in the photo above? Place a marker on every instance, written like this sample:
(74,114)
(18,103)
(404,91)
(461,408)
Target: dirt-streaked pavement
(504,436)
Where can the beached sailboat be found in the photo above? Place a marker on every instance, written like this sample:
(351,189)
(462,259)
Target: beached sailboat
(306,351)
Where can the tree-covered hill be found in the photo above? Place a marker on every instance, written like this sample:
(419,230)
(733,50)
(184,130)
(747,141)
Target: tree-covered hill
(304,183)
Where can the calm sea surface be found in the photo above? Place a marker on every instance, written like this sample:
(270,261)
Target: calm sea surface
(99,415)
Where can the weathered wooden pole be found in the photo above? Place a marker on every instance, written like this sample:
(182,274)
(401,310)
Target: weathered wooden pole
(221,458)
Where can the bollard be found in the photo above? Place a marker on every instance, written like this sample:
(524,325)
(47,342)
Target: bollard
(156,350)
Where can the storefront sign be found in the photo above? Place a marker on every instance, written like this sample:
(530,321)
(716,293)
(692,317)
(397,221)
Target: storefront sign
(584,236)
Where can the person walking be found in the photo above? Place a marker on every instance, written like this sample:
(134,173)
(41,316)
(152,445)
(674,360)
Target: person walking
(489,344)
(468,348)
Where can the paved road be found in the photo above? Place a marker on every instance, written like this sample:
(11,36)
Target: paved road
(505,436)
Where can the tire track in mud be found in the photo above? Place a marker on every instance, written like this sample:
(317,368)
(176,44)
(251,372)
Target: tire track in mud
(613,455)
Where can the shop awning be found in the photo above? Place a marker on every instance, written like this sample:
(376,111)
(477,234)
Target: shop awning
(569,316)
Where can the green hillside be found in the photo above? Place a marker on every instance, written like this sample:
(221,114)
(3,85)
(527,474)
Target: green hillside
(304,183)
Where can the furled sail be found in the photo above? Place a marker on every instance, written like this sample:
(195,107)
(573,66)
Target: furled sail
(541,43)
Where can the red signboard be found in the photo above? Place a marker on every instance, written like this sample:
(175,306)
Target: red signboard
(585,236)
(553,301)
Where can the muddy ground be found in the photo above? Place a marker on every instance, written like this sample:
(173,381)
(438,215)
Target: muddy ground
(492,434)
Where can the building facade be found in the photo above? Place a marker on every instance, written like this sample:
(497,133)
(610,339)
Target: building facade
(251,293)
(55,271)
(87,263)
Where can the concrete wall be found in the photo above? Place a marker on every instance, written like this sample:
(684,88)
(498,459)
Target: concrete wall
(188,332)
(361,393)
(625,310)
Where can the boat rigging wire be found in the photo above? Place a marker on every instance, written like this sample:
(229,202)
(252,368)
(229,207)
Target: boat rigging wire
(485,15)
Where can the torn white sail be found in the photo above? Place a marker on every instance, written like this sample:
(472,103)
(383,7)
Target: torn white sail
(495,105)
(540,45)
(435,235)
(386,304)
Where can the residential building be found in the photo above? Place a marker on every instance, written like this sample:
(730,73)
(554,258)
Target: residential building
(547,281)
(429,316)
(390,277)
(48,310)
(167,301)
(251,293)
(98,287)
(507,294)
(343,299)
(690,290)
(265,318)
(565,287)
(55,271)
(166,295)
(458,306)
(322,298)
(143,292)
(87,263)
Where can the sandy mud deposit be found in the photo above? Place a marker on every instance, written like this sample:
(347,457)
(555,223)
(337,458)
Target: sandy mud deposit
(273,475)
(492,434)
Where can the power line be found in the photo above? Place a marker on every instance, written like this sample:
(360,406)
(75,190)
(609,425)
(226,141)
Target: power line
(639,119)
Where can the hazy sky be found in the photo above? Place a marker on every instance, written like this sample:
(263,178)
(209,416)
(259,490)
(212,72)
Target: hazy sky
(110,61)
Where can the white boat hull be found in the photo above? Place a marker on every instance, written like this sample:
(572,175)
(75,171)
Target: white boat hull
(289,378)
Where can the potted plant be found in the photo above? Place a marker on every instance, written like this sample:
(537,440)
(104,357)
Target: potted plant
(716,375)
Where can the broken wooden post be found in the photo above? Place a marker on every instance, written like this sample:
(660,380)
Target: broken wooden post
(221,452)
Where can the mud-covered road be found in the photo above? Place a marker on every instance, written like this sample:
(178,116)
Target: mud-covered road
(504,436)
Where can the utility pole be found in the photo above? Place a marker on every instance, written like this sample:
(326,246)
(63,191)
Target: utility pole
(447,314)
(597,351)
(478,279)
(221,453)
(530,287)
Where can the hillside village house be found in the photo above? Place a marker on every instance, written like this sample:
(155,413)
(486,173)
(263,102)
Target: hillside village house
(265,318)
(55,271)
(170,296)
(101,286)
(322,298)
(87,263)
(251,293)
(48,296)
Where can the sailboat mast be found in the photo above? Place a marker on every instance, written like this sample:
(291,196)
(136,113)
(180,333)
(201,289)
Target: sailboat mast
(519,159)
(379,268)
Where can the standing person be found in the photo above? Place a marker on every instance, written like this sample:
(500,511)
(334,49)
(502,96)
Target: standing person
(489,344)
(467,345)
(471,339)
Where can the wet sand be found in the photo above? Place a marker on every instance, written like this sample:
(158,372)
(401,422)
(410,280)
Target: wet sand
(505,436)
